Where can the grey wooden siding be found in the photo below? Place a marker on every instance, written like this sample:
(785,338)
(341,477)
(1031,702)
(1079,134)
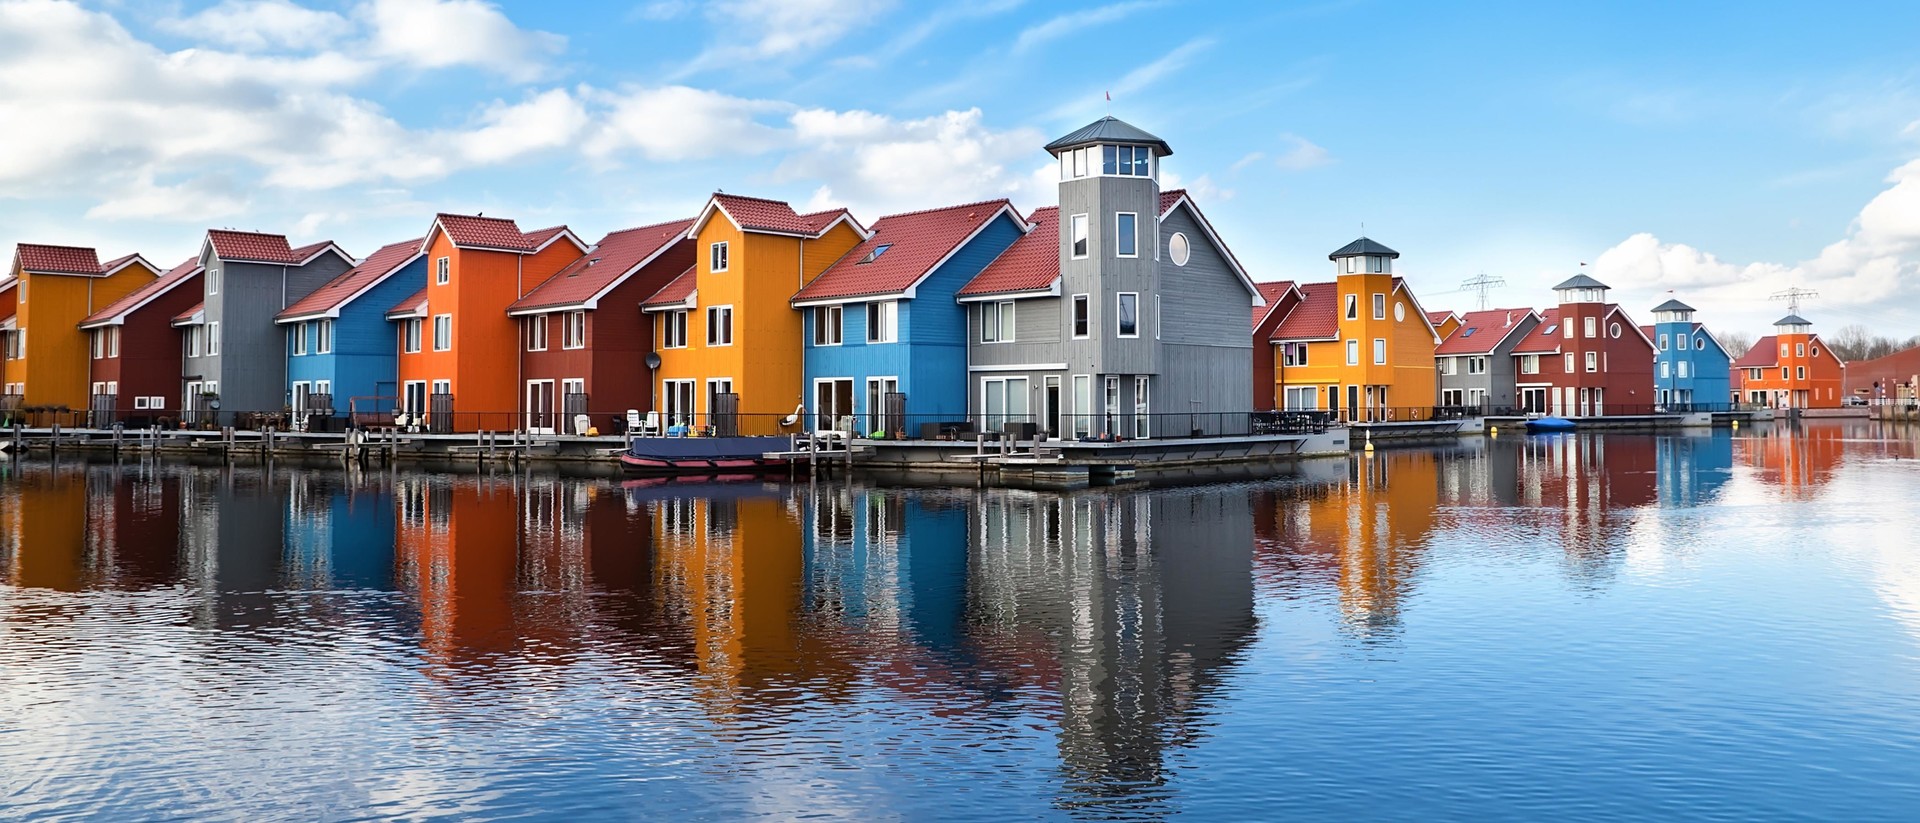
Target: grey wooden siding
(1204,301)
(1036,335)
(252,364)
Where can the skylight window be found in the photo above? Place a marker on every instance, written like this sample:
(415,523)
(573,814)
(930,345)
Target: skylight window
(875,254)
(1551,329)
(1469,332)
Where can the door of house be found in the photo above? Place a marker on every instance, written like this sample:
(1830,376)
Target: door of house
(832,400)
(190,404)
(677,402)
(413,401)
(440,407)
(878,419)
(1353,400)
(718,389)
(540,406)
(1053,422)
(573,404)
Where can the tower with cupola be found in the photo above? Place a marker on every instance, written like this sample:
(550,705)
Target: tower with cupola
(1109,249)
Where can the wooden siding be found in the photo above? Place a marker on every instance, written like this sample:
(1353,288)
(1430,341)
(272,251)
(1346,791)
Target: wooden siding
(252,364)
(59,353)
(149,361)
(1409,372)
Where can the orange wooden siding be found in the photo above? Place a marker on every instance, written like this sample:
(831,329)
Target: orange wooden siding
(58,353)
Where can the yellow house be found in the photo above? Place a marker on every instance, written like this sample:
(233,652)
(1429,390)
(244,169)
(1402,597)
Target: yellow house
(1360,346)
(54,288)
(728,342)
(1445,323)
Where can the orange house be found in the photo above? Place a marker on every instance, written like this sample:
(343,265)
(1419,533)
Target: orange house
(459,351)
(727,339)
(1360,345)
(1790,369)
(54,288)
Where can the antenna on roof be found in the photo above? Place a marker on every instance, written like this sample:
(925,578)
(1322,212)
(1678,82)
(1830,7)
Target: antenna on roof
(1793,295)
(1483,283)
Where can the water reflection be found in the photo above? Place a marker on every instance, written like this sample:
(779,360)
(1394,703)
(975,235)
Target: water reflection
(1089,637)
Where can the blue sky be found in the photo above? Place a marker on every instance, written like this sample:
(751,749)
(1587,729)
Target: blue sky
(1721,152)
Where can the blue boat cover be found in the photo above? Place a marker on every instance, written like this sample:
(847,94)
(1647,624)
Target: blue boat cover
(707,448)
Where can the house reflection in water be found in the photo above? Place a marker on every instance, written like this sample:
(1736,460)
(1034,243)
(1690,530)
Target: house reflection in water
(1694,466)
(71,526)
(1795,460)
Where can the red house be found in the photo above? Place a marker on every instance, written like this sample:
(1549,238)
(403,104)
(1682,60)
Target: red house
(583,339)
(1280,298)
(136,347)
(1587,358)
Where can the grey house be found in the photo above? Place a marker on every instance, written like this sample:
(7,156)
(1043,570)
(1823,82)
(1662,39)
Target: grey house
(1119,312)
(1476,362)
(232,351)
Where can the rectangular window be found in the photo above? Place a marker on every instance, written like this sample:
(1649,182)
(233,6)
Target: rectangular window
(213,338)
(1141,415)
(673,330)
(883,320)
(1799,350)
(1593,326)
(1679,342)
(717,257)
(192,340)
(1081,321)
(1082,405)
(1079,162)
(1129,314)
(1449,365)
(1680,369)
(410,331)
(1079,226)
(1663,370)
(323,336)
(1379,351)
(1570,368)
(113,341)
(99,343)
(996,322)
(1593,361)
(1108,162)
(537,333)
(1353,307)
(719,325)
(1568,328)
(1530,364)
(1156,317)
(1476,365)
(443,332)
(1379,306)
(299,339)
(1353,352)
(443,271)
(1126,237)
(1663,342)
(827,325)
(573,334)
(1800,372)
(213,282)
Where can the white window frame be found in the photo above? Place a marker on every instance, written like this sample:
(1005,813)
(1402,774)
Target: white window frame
(1156,317)
(1353,352)
(1592,326)
(213,282)
(1680,369)
(1379,351)
(1571,367)
(829,325)
(719,257)
(883,321)
(1079,238)
(1118,236)
(1593,362)
(1353,305)
(213,338)
(442,271)
(1081,320)
(537,332)
(1142,408)
(323,336)
(1001,327)
(1379,305)
(1120,317)
(411,330)
(442,341)
(299,339)
(715,328)
(573,330)
(673,329)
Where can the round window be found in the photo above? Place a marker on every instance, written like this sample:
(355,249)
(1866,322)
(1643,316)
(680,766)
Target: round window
(1700,342)
(1615,331)
(1399,312)
(1178,249)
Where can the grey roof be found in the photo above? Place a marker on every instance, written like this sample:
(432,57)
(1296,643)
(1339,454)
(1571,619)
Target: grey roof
(1793,320)
(1581,281)
(1362,246)
(1108,130)
(1673,305)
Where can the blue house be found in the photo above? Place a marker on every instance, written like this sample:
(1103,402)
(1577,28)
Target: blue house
(886,341)
(1690,367)
(340,347)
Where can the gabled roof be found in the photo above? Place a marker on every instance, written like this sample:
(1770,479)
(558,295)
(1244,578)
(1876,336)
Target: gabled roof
(1031,264)
(1180,198)
(119,263)
(43,259)
(1482,332)
(1765,352)
(473,231)
(903,250)
(414,306)
(763,216)
(1108,129)
(115,313)
(1647,331)
(1271,294)
(191,317)
(327,300)
(1315,317)
(608,264)
(676,294)
(1580,281)
(1545,338)
(1169,199)
(1673,305)
(251,247)
(1438,317)
(1360,247)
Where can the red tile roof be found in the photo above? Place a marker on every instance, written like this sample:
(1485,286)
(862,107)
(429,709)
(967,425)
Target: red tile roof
(539,237)
(754,213)
(1765,352)
(1480,332)
(673,293)
(1270,293)
(1316,317)
(117,262)
(187,270)
(1032,263)
(251,246)
(615,256)
(1438,317)
(1545,338)
(1168,198)
(914,242)
(365,275)
(311,249)
(34,257)
(414,305)
(189,313)
(473,231)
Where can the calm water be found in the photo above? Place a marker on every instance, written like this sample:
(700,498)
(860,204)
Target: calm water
(1582,627)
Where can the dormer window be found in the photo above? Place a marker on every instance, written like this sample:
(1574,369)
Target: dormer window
(875,254)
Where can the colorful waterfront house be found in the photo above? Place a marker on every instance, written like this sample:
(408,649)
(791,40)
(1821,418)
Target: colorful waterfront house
(1587,359)
(729,342)
(1445,322)
(1279,298)
(1119,295)
(56,287)
(1790,369)
(9,323)
(459,351)
(1360,343)
(881,325)
(1893,379)
(234,354)
(1476,362)
(583,338)
(339,348)
(136,349)
(1690,366)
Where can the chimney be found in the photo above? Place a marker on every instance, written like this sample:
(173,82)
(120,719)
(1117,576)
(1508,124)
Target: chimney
(1509,320)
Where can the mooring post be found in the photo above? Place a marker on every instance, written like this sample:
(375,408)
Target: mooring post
(56,435)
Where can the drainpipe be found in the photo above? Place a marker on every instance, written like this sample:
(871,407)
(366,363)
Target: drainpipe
(519,366)
(286,351)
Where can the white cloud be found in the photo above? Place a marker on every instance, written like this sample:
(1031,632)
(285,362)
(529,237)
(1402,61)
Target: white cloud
(1874,269)
(1075,21)
(662,10)
(1249,159)
(1202,188)
(1301,154)
(256,25)
(194,201)
(754,31)
(548,120)
(1168,63)
(682,123)
(437,34)
(878,165)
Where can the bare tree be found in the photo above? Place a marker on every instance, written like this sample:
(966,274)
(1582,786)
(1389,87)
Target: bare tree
(1736,342)
(1854,342)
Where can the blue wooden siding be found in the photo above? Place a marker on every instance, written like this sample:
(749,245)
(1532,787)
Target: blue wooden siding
(364,361)
(1707,369)
(930,357)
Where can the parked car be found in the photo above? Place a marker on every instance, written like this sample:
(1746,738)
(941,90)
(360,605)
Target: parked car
(1854,400)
